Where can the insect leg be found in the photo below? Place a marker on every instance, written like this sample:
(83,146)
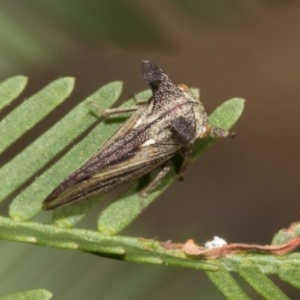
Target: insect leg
(153,184)
(187,154)
(112,111)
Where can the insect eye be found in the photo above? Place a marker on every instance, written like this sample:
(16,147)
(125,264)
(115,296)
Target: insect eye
(183,87)
(206,131)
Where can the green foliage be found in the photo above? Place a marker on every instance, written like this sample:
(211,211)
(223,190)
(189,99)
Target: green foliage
(253,268)
(28,295)
(10,89)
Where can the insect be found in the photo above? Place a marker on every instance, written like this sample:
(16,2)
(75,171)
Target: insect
(168,123)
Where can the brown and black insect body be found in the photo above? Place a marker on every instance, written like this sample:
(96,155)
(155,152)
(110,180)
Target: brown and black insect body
(166,124)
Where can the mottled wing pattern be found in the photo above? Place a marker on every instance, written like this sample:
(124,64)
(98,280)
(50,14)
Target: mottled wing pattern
(140,162)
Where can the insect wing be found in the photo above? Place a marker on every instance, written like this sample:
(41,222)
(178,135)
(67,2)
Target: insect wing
(104,179)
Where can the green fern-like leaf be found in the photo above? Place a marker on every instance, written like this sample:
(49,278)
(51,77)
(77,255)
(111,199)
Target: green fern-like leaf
(28,295)
(107,241)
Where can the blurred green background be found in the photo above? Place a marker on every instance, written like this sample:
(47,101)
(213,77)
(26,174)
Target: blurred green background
(243,190)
